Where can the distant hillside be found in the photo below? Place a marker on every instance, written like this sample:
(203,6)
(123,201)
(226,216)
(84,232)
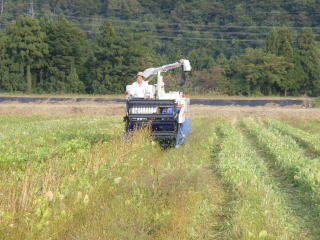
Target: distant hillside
(236,47)
(195,20)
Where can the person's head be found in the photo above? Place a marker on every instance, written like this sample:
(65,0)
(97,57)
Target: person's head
(140,77)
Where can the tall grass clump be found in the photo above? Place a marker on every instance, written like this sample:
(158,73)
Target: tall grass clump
(260,211)
(289,157)
(42,162)
(152,193)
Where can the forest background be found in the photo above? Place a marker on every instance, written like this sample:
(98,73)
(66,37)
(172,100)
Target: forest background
(248,48)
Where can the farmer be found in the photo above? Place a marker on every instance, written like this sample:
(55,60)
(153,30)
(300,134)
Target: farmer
(140,88)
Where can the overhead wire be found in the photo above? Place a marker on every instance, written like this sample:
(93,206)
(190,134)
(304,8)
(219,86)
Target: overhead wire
(180,24)
(176,24)
(227,28)
(210,39)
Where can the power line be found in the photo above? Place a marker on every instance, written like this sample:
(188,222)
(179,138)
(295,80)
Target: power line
(176,31)
(275,12)
(209,39)
(177,24)
(183,24)
(187,31)
(183,31)
(197,38)
(281,10)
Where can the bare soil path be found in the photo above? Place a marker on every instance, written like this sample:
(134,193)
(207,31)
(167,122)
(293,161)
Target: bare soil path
(115,106)
(118,109)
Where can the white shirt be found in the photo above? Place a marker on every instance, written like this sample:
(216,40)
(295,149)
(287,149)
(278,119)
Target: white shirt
(139,90)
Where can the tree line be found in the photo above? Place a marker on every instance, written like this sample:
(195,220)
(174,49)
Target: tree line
(48,56)
(286,65)
(53,55)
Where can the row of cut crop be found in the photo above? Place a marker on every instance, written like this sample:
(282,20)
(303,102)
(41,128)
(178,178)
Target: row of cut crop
(288,156)
(259,208)
(311,139)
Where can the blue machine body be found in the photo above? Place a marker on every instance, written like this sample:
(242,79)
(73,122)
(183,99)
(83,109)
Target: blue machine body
(164,124)
(183,131)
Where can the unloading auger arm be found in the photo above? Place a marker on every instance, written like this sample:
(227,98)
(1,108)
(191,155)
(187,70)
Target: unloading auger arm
(148,73)
(151,72)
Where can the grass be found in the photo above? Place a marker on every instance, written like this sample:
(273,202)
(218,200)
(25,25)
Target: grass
(74,178)
(317,102)
(105,189)
(297,167)
(289,155)
(39,138)
(311,126)
(259,208)
(307,139)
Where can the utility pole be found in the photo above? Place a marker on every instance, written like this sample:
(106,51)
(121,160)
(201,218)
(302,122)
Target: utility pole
(31,9)
(1,9)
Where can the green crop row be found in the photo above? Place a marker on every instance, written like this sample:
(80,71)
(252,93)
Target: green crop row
(311,139)
(288,156)
(259,208)
(309,125)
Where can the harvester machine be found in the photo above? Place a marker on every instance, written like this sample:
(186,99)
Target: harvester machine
(163,112)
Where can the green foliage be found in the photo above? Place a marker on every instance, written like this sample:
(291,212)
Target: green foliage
(25,45)
(201,59)
(53,56)
(309,60)
(66,56)
(257,72)
(38,55)
(116,56)
(279,42)
(73,84)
